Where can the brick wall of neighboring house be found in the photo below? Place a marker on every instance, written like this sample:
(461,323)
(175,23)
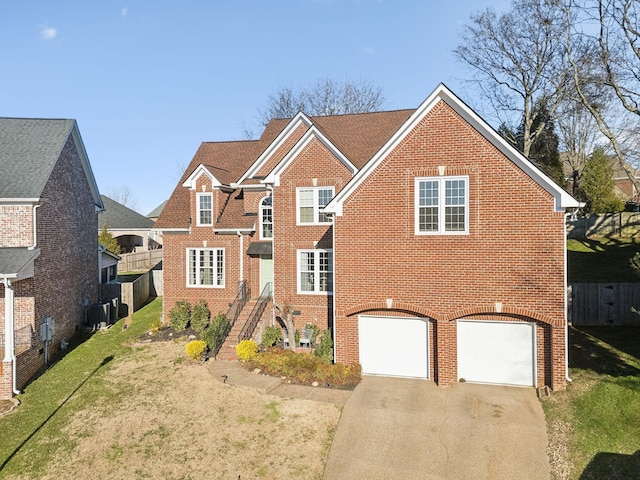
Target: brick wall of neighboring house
(66,272)
(315,164)
(16,226)
(513,254)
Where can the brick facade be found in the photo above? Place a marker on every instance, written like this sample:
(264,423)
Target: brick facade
(508,267)
(513,253)
(65,272)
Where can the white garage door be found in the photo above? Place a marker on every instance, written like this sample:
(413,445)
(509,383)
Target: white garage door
(394,346)
(497,352)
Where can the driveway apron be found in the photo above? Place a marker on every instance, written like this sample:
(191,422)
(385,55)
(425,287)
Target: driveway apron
(395,428)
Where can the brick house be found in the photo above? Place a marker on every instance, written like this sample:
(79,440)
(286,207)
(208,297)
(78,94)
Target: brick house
(49,204)
(428,245)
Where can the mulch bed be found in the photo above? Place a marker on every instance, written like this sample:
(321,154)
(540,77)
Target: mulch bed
(7,406)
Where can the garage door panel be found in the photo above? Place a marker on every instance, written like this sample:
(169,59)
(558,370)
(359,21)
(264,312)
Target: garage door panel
(394,346)
(496,352)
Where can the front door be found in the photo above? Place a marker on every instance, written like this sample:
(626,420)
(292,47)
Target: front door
(266,271)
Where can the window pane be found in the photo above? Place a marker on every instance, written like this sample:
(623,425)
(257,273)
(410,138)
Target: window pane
(428,194)
(325,267)
(220,267)
(192,267)
(205,210)
(206,267)
(307,267)
(267,222)
(454,192)
(306,206)
(454,219)
(428,219)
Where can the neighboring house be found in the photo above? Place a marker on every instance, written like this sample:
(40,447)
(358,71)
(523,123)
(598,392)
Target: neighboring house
(427,244)
(129,228)
(155,213)
(108,265)
(49,204)
(155,235)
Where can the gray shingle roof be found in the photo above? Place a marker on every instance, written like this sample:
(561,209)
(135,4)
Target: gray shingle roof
(12,260)
(117,216)
(29,149)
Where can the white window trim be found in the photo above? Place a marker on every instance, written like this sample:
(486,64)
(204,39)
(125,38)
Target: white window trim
(198,210)
(441,205)
(316,272)
(316,208)
(261,217)
(224,265)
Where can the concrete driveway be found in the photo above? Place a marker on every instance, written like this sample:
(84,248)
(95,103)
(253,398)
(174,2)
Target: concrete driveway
(393,428)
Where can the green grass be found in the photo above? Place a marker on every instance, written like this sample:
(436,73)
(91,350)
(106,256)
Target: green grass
(602,406)
(33,434)
(601,260)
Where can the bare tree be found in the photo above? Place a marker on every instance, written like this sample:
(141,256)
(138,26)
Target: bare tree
(326,97)
(578,134)
(124,196)
(285,312)
(603,50)
(518,62)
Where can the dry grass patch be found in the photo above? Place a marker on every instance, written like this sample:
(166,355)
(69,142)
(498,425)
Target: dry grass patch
(161,417)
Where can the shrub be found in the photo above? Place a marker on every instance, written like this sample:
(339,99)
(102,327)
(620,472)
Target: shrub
(271,336)
(216,332)
(325,349)
(195,349)
(246,350)
(200,316)
(305,368)
(179,315)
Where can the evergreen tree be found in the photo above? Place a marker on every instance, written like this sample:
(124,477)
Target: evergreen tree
(105,238)
(544,149)
(597,185)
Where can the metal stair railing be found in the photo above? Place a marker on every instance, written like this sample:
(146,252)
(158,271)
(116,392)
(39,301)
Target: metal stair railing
(244,292)
(256,313)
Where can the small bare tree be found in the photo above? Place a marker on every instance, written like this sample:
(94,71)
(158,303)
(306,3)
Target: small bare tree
(124,196)
(285,312)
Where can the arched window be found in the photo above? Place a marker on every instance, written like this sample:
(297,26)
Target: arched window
(266,218)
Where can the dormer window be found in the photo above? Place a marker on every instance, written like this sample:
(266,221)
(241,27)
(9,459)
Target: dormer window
(266,218)
(204,205)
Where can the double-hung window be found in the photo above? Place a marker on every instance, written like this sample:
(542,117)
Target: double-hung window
(442,205)
(266,218)
(315,271)
(205,267)
(204,205)
(311,201)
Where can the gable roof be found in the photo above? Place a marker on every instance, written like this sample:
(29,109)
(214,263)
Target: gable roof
(155,213)
(29,150)
(17,263)
(442,93)
(119,217)
(226,161)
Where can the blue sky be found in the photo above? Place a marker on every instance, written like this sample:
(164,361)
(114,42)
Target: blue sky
(149,81)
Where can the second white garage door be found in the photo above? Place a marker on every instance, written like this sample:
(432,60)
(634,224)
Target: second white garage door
(393,346)
(497,352)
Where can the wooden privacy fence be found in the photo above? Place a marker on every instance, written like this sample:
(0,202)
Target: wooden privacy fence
(593,304)
(133,262)
(623,224)
(133,295)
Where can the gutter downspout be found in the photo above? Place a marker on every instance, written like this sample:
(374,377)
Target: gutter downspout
(241,237)
(35,228)
(9,339)
(566,303)
(333,247)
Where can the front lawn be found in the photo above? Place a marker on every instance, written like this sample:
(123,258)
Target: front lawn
(601,260)
(120,409)
(594,426)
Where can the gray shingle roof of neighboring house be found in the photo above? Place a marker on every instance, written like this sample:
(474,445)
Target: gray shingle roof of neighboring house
(116,216)
(29,149)
(155,213)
